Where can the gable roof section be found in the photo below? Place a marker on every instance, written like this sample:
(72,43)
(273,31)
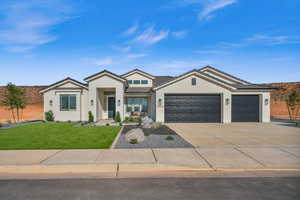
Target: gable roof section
(160,80)
(198,73)
(138,71)
(103,73)
(64,81)
(224,75)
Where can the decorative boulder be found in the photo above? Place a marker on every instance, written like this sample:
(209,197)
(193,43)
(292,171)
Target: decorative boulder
(147,122)
(136,133)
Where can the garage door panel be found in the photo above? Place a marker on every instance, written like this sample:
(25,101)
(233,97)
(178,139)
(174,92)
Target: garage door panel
(245,108)
(192,108)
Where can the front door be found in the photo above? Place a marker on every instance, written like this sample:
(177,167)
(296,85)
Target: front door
(111,107)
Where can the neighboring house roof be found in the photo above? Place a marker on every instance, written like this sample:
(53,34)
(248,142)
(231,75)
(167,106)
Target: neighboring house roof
(160,80)
(105,72)
(138,71)
(64,81)
(210,68)
(253,87)
(138,90)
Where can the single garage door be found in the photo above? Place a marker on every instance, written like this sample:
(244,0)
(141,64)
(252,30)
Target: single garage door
(192,108)
(245,108)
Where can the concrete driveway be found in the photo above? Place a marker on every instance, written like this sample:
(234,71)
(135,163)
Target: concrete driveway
(238,134)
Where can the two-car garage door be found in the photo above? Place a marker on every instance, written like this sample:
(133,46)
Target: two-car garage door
(192,108)
(207,108)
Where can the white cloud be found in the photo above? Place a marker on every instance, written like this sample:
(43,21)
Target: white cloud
(211,6)
(103,61)
(137,55)
(179,34)
(131,30)
(26,25)
(272,40)
(151,36)
(122,49)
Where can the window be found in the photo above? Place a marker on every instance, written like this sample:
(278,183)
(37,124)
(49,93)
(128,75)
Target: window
(67,102)
(136,82)
(145,82)
(193,81)
(137,104)
(129,81)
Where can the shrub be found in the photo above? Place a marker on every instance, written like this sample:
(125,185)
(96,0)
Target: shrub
(107,124)
(133,141)
(57,121)
(297,123)
(169,137)
(118,117)
(139,119)
(49,116)
(0,125)
(69,121)
(156,125)
(91,117)
(146,133)
(8,121)
(126,119)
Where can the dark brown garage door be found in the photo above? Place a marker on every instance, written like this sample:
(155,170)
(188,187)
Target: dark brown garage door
(245,108)
(192,108)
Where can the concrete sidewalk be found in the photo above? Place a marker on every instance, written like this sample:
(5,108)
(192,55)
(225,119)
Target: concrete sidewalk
(114,162)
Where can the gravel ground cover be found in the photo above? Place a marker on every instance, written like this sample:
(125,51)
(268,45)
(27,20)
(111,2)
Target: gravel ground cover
(155,139)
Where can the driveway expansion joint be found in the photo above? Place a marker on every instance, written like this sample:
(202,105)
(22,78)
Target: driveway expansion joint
(51,156)
(208,163)
(251,157)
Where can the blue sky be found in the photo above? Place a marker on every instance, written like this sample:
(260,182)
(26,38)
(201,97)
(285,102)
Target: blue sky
(43,41)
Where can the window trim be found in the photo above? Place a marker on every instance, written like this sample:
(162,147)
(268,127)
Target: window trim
(69,104)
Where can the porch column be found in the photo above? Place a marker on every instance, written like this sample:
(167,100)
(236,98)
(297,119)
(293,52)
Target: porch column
(92,103)
(120,102)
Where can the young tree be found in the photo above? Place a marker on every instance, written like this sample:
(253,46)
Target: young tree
(15,100)
(293,105)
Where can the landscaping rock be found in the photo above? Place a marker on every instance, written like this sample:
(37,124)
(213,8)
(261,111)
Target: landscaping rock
(147,122)
(137,134)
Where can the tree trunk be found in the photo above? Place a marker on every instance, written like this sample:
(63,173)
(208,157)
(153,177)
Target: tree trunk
(13,114)
(288,107)
(18,114)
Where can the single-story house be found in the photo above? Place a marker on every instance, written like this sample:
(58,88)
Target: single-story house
(200,95)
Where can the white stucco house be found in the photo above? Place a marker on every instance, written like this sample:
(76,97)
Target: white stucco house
(200,95)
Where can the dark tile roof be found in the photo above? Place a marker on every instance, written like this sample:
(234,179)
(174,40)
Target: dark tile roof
(136,69)
(138,90)
(210,67)
(68,78)
(252,87)
(103,71)
(160,80)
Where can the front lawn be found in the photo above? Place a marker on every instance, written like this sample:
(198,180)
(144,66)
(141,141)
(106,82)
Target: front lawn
(57,136)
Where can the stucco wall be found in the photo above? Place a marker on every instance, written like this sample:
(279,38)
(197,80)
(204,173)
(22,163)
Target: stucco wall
(202,86)
(80,114)
(101,83)
(137,76)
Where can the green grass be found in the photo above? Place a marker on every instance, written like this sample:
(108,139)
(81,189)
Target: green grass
(57,136)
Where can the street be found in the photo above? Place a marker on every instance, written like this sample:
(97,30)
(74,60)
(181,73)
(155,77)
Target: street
(246,188)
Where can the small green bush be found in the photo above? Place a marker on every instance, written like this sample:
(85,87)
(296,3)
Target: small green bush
(156,125)
(57,121)
(91,117)
(8,121)
(146,133)
(126,119)
(139,120)
(69,121)
(0,125)
(133,141)
(169,137)
(118,117)
(49,116)
(107,124)
(297,123)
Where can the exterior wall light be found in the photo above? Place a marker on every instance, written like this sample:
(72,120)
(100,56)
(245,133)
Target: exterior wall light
(227,101)
(266,102)
(119,102)
(50,102)
(159,102)
(92,102)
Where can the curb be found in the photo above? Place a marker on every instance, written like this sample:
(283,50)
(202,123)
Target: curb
(113,145)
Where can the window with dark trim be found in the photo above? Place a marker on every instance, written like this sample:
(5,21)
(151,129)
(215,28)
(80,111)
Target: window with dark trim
(129,81)
(136,82)
(67,102)
(145,82)
(193,81)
